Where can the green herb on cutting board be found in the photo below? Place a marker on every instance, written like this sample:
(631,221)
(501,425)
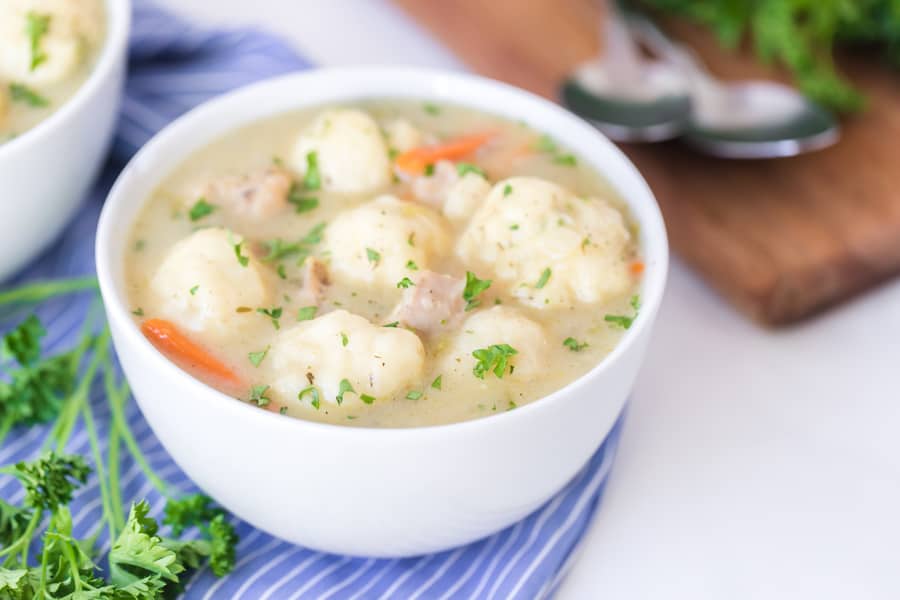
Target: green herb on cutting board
(801,36)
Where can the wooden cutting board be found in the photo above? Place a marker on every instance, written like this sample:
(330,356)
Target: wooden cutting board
(782,239)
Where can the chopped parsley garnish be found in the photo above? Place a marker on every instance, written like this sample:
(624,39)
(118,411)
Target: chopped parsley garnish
(393,324)
(273,313)
(138,312)
(411,265)
(277,249)
(413,395)
(544,278)
(373,256)
(431,109)
(511,406)
(283,410)
(411,240)
(514,227)
(257,357)
(345,339)
(436,384)
(281,272)
(313,393)
(367,398)
(567,160)
(573,345)
(21,93)
(312,180)
(405,283)
(463,168)
(507,190)
(493,359)
(200,209)
(474,287)
(258,395)
(546,144)
(314,235)
(36,27)
(194,289)
(301,203)
(343,387)
(306,313)
(624,321)
(429,169)
(243,260)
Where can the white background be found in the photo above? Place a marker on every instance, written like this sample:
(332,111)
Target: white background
(754,464)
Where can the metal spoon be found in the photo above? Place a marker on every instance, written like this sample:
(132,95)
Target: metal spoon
(626,96)
(747,119)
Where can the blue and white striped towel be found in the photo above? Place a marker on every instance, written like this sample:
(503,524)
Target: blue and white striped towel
(175,66)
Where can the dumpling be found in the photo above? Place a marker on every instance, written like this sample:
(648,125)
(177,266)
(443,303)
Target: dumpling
(340,346)
(465,196)
(495,327)
(70,27)
(201,283)
(349,149)
(551,248)
(376,242)
(402,135)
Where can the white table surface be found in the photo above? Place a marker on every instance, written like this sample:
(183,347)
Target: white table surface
(754,464)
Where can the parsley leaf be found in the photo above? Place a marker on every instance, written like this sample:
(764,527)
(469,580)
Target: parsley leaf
(50,480)
(625,321)
(24,342)
(544,278)
(301,203)
(494,358)
(411,265)
(190,510)
(463,168)
(429,170)
(258,395)
(243,260)
(313,393)
(405,283)
(200,209)
(413,395)
(36,27)
(367,398)
(373,256)
(345,339)
(436,384)
(273,313)
(431,108)
(306,313)
(474,287)
(573,345)
(507,190)
(392,324)
(257,357)
(312,180)
(567,160)
(21,93)
(343,387)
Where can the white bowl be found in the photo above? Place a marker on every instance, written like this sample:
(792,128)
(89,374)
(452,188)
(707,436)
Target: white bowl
(46,171)
(373,492)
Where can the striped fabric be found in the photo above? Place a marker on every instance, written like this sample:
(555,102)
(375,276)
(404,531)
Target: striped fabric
(175,66)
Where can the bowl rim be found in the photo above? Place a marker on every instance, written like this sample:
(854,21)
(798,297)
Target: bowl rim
(649,218)
(118,19)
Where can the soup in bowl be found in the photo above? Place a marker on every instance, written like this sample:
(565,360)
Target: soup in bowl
(348,294)
(62,65)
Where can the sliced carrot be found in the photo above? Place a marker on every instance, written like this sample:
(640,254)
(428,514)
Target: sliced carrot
(169,340)
(636,267)
(415,160)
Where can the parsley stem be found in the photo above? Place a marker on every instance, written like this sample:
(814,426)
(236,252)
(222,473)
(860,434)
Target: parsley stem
(118,417)
(105,499)
(115,490)
(24,539)
(5,427)
(42,290)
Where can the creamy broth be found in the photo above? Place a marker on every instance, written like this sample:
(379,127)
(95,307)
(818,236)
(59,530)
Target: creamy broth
(392,367)
(47,50)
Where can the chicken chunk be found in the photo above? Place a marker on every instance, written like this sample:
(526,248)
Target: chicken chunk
(498,326)
(70,26)
(434,304)
(257,196)
(375,243)
(551,248)
(347,358)
(315,280)
(201,283)
(347,148)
